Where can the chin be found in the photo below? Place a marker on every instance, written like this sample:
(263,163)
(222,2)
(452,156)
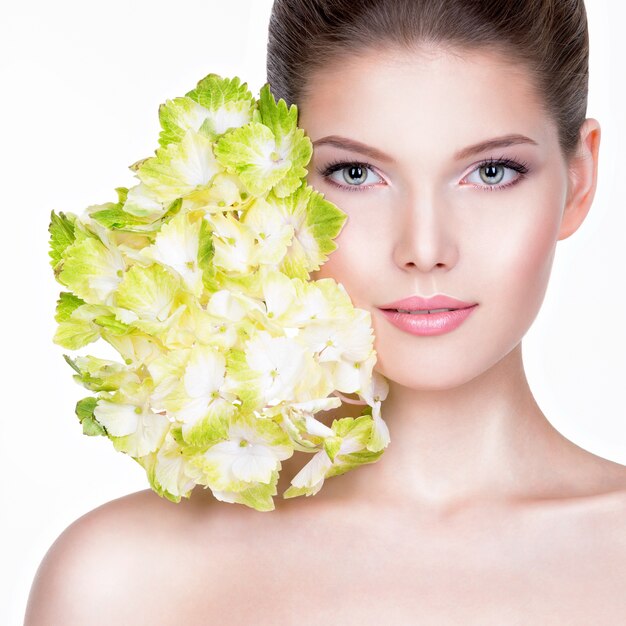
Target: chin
(440,378)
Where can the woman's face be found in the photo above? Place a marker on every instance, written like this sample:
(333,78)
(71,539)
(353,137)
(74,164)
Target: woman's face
(428,215)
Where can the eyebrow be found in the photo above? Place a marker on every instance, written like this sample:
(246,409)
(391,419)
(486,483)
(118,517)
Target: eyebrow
(375,153)
(354,146)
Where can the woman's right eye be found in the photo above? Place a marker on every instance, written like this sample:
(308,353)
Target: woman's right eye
(353,174)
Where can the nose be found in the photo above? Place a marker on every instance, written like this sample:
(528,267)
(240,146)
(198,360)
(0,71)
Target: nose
(425,236)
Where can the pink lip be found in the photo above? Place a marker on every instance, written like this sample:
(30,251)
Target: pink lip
(428,323)
(417,303)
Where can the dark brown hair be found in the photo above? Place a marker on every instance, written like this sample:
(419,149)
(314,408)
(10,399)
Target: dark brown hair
(549,37)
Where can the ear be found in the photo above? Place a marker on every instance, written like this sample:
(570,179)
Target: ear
(582,178)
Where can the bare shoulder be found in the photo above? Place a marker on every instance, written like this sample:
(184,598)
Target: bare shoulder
(601,487)
(609,517)
(123,561)
(598,520)
(597,563)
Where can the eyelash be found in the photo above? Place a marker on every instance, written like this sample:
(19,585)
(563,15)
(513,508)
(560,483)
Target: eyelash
(521,167)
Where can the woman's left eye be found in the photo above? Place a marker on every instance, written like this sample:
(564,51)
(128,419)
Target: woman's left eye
(492,172)
(353,174)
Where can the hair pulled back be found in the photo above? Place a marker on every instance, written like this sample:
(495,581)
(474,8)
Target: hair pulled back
(549,37)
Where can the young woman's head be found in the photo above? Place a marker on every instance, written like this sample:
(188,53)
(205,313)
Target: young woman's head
(476,158)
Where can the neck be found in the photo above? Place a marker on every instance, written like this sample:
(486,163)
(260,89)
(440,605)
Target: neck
(485,439)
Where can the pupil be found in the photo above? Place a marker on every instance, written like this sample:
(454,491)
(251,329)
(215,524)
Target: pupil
(489,173)
(356,173)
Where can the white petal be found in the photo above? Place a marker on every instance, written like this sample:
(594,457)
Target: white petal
(193,410)
(205,372)
(118,419)
(315,427)
(255,464)
(170,472)
(151,428)
(314,471)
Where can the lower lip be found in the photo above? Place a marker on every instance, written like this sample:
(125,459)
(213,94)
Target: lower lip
(429,323)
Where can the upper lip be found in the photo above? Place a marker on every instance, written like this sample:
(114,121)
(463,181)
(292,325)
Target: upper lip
(418,303)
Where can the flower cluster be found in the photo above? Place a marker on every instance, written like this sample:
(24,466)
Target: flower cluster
(199,276)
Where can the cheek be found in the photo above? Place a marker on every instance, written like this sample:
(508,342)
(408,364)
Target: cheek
(518,270)
(356,263)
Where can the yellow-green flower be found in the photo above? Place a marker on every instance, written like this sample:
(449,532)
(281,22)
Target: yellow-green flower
(199,277)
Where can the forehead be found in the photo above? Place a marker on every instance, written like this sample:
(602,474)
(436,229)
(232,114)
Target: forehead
(443,99)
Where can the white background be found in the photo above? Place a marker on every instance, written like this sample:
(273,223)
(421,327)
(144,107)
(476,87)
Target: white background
(81,84)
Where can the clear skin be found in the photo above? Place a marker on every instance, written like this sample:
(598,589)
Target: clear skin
(479,511)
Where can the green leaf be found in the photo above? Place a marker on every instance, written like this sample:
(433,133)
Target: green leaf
(92,428)
(85,407)
(61,231)
(114,216)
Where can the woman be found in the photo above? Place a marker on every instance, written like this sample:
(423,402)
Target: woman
(462,127)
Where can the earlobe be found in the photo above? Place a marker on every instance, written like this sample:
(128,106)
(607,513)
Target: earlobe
(582,179)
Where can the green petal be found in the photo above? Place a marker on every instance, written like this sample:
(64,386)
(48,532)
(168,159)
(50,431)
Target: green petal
(242,380)
(317,222)
(251,152)
(259,497)
(142,202)
(114,216)
(75,334)
(179,115)
(170,469)
(66,305)
(148,291)
(180,168)
(291,142)
(148,437)
(229,102)
(91,270)
(380,437)
(102,374)
(212,427)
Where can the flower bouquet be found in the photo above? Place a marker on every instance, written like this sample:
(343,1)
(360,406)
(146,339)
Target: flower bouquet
(198,276)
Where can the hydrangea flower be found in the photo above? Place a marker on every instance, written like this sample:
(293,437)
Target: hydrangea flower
(199,277)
